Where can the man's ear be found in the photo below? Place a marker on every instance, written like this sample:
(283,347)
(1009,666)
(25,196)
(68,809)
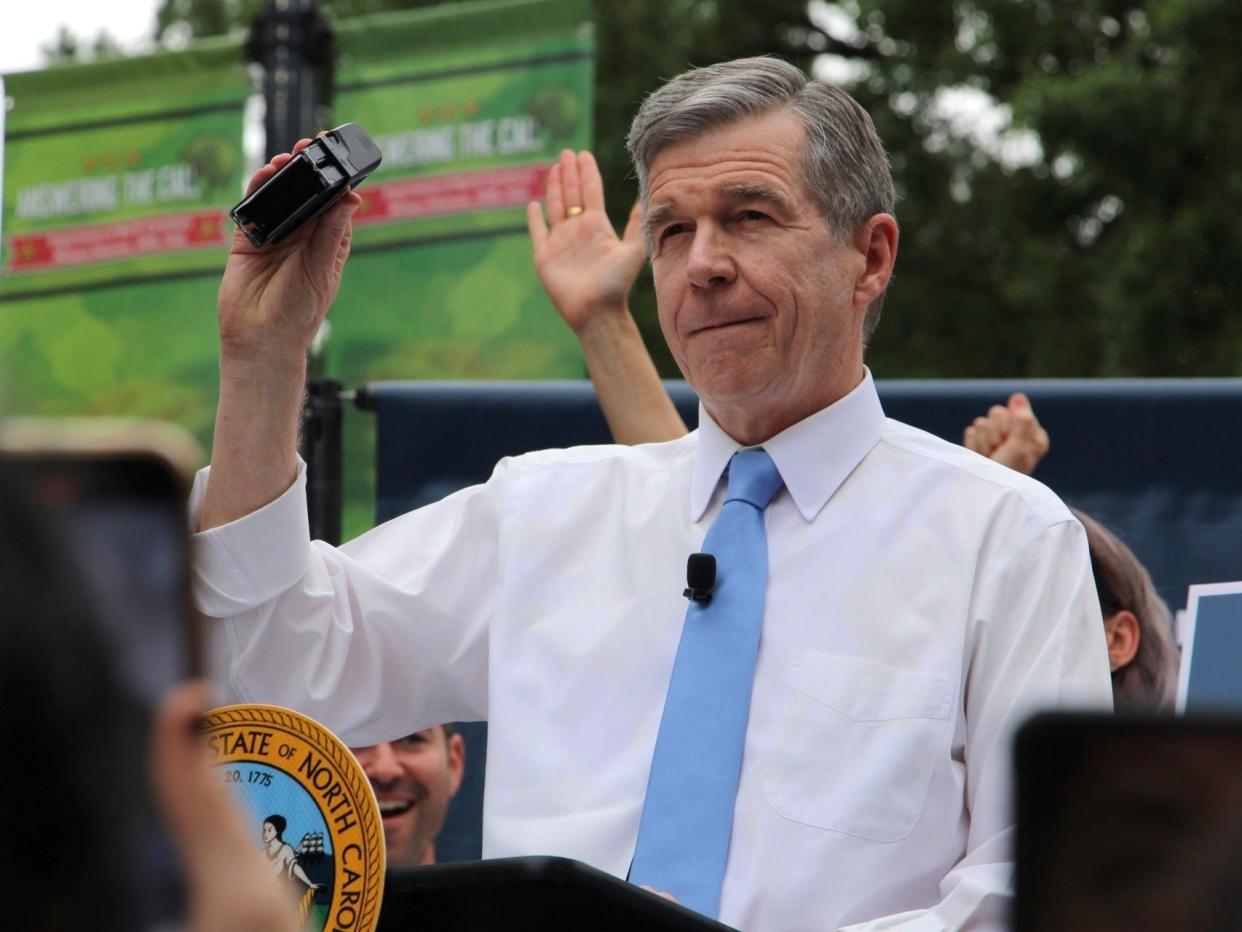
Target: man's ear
(456,761)
(876,241)
(1121,630)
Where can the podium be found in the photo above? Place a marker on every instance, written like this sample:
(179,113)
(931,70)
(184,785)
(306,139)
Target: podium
(548,894)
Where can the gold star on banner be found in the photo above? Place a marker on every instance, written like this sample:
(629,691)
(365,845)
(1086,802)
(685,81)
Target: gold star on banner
(207,227)
(471,108)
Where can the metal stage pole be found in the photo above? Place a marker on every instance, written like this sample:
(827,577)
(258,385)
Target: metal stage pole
(322,447)
(292,41)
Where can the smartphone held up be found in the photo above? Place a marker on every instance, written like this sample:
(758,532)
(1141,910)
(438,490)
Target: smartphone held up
(308,184)
(108,501)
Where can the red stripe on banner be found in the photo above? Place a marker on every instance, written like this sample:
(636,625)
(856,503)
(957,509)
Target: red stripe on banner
(450,194)
(111,241)
(387,201)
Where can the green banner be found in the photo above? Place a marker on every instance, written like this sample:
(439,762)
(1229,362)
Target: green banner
(118,177)
(117,181)
(470,105)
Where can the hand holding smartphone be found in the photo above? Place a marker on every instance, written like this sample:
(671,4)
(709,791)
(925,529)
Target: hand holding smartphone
(308,184)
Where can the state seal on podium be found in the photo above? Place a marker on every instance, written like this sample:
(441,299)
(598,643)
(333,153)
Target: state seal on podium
(314,814)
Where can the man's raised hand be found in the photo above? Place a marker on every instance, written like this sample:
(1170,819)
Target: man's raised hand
(273,298)
(586,269)
(272,301)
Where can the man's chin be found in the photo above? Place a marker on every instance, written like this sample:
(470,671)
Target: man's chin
(731,375)
(724,389)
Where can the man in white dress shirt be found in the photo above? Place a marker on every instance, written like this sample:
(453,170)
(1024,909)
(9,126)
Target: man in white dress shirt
(921,600)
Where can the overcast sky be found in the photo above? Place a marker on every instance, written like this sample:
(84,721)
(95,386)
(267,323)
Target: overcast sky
(129,22)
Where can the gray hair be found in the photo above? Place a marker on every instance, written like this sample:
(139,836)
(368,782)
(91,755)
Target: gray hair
(844,163)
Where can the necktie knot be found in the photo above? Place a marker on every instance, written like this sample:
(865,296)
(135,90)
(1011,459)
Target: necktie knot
(753,478)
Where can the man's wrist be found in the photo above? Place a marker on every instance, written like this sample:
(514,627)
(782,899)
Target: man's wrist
(607,324)
(258,368)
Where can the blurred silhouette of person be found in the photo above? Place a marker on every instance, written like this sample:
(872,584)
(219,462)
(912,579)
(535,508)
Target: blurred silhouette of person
(228,888)
(74,766)
(1140,827)
(73,743)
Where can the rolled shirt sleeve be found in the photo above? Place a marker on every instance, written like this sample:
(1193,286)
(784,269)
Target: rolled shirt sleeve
(328,630)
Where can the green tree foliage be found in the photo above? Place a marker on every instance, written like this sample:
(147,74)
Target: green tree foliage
(1089,231)
(1110,250)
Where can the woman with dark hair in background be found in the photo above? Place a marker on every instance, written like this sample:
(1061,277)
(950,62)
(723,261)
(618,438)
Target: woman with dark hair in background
(1137,623)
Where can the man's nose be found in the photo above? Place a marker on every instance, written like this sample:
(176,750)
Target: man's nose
(711,262)
(379,763)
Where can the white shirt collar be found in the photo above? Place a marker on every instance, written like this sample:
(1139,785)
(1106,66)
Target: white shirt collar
(814,456)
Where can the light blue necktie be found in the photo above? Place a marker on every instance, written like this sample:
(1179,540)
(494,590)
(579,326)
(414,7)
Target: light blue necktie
(683,838)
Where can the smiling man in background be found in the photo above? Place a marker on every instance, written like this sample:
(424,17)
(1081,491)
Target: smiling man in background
(414,778)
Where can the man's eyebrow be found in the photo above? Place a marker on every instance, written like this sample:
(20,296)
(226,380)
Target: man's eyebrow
(656,216)
(759,192)
(659,215)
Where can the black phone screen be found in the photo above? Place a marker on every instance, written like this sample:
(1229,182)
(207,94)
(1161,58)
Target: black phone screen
(289,190)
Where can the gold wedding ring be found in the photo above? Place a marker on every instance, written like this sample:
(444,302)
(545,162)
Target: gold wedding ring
(573,211)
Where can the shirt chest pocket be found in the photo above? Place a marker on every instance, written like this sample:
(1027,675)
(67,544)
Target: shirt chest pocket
(858,745)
